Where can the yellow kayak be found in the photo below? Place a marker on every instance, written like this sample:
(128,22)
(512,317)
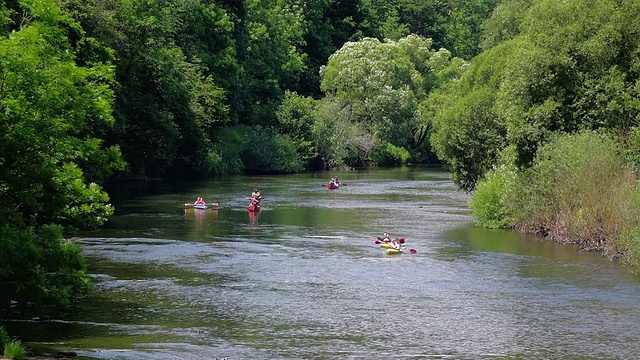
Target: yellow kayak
(394,251)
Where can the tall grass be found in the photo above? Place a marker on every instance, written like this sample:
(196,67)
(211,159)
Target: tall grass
(629,240)
(14,350)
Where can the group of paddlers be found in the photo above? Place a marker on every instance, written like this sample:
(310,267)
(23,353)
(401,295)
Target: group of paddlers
(393,243)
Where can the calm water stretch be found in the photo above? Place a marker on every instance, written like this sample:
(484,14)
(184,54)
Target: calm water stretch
(302,279)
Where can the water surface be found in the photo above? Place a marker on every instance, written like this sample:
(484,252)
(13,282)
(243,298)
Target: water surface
(302,279)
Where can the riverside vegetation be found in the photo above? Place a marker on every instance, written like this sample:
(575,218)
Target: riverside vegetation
(532,104)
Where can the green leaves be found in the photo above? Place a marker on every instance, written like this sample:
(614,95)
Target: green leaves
(549,67)
(379,82)
(50,111)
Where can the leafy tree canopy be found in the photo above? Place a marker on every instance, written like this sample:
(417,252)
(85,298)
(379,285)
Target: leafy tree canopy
(50,111)
(561,67)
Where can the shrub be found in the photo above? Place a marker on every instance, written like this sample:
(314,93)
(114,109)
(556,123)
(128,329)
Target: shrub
(266,151)
(390,154)
(224,158)
(4,337)
(490,201)
(57,271)
(15,350)
(330,135)
(576,191)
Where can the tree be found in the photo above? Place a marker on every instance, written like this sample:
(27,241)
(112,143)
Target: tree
(168,105)
(569,66)
(452,24)
(468,131)
(572,69)
(382,85)
(504,22)
(50,111)
(273,60)
(297,116)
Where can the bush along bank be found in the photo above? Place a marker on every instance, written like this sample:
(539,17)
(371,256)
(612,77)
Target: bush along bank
(578,190)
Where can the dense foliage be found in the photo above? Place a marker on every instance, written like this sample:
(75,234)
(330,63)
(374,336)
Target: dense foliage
(577,191)
(561,110)
(187,70)
(53,112)
(569,66)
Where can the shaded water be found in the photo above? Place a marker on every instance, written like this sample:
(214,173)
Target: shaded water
(303,280)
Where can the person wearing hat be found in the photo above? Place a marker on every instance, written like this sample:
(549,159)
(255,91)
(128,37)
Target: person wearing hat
(335,181)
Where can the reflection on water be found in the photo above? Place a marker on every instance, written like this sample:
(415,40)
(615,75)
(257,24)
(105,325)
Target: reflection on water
(303,280)
(253,216)
(200,215)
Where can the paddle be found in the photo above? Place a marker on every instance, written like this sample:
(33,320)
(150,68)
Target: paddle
(341,184)
(209,204)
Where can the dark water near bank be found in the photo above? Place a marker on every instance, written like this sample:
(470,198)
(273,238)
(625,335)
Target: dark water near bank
(303,280)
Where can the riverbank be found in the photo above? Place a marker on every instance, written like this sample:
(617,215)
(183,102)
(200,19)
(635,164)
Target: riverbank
(60,355)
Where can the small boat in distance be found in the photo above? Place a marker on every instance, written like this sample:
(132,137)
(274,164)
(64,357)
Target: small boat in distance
(202,206)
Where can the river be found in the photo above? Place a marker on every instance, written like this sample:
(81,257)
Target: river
(302,279)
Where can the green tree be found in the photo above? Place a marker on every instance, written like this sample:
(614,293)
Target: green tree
(273,61)
(331,133)
(168,104)
(328,24)
(504,22)
(569,66)
(468,131)
(383,86)
(572,70)
(379,84)
(452,24)
(297,116)
(51,111)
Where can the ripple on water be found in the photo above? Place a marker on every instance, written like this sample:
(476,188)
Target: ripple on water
(303,280)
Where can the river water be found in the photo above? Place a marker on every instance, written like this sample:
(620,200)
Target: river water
(302,279)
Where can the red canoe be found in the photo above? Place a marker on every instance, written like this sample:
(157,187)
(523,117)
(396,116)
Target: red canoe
(254,205)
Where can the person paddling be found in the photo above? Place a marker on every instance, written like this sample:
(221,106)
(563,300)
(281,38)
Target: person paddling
(385,237)
(395,244)
(255,197)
